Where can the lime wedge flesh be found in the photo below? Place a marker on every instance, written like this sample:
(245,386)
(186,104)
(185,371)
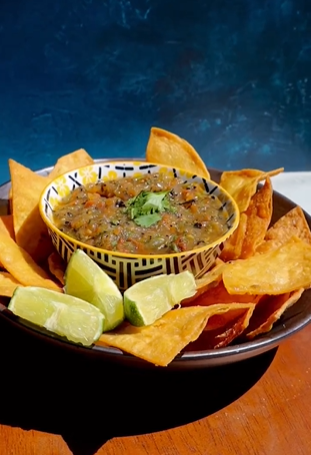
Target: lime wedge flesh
(147,300)
(62,314)
(86,280)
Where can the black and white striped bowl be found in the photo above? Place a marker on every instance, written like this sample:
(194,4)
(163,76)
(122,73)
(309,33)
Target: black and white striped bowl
(126,269)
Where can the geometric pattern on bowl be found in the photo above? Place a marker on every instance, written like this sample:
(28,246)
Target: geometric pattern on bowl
(127,269)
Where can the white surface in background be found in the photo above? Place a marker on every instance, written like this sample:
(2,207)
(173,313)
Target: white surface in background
(296,186)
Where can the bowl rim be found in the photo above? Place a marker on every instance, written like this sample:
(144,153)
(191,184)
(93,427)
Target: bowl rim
(137,256)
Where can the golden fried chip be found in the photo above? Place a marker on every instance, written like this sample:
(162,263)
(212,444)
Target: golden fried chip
(285,269)
(222,329)
(233,246)
(21,266)
(69,162)
(57,266)
(242,184)
(268,311)
(30,231)
(6,225)
(8,284)
(160,342)
(10,200)
(292,223)
(171,150)
(219,294)
(259,214)
(209,279)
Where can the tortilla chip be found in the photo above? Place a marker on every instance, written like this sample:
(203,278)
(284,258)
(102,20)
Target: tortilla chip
(285,269)
(222,329)
(69,162)
(160,342)
(57,266)
(30,231)
(259,214)
(268,311)
(6,225)
(8,284)
(291,224)
(10,200)
(219,294)
(233,246)
(169,149)
(21,266)
(242,184)
(210,279)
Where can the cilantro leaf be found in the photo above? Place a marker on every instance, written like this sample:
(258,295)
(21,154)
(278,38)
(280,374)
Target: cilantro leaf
(147,220)
(144,208)
(156,202)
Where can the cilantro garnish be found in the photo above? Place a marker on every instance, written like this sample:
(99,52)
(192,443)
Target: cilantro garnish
(145,208)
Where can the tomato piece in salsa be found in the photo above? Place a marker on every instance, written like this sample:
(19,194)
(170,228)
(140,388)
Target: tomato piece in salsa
(149,214)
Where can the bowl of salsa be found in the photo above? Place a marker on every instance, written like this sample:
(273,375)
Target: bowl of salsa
(139,219)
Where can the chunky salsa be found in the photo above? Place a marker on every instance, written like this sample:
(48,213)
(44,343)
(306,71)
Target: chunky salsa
(149,214)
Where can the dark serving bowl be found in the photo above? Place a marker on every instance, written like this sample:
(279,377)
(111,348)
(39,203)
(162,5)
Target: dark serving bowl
(294,319)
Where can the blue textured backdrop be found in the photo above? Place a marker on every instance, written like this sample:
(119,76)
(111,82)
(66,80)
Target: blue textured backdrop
(231,76)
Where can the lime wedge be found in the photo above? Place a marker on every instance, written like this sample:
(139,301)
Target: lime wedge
(62,314)
(147,300)
(86,280)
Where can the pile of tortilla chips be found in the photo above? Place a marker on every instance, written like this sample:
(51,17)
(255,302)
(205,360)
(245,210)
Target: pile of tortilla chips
(263,269)
(27,256)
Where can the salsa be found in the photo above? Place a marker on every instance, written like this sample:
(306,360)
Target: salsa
(149,214)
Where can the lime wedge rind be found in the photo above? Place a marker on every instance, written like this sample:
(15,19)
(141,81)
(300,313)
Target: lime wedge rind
(45,332)
(148,300)
(64,315)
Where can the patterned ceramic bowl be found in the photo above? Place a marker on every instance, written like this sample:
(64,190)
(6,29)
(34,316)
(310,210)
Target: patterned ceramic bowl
(124,268)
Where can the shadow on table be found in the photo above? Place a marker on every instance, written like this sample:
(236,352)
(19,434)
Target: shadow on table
(88,402)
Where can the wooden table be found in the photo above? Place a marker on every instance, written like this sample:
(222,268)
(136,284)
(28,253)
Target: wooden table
(58,403)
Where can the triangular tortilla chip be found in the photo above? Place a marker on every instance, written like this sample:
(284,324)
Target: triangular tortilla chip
(259,214)
(6,225)
(171,150)
(293,223)
(8,284)
(222,329)
(219,294)
(10,203)
(242,184)
(285,269)
(233,246)
(57,266)
(30,231)
(208,280)
(268,311)
(160,342)
(21,266)
(73,160)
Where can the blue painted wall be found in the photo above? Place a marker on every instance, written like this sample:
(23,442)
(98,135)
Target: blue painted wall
(231,76)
